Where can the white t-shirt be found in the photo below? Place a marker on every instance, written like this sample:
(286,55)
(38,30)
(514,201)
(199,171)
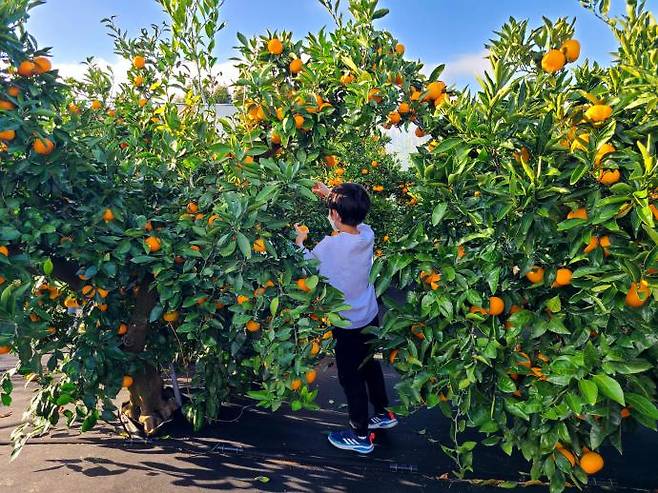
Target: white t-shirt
(345,260)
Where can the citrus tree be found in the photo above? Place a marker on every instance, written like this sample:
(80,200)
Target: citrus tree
(531,272)
(131,238)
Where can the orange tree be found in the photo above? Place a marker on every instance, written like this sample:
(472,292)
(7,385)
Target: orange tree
(140,229)
(531,315)
(131,239)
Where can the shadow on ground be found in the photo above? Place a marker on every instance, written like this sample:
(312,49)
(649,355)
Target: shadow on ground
(255,450)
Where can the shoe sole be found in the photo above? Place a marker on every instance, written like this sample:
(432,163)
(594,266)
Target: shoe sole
(383,427)
(360,450)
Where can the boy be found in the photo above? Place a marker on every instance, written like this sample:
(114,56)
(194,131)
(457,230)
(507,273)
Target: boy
(345,260)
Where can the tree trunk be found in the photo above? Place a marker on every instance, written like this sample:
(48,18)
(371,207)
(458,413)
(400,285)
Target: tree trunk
(149,404)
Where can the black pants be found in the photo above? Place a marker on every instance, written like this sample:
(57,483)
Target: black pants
(356,369)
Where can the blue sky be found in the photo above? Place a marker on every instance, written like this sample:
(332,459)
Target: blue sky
(436,31)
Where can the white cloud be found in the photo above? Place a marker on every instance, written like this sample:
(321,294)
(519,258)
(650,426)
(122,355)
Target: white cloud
(466,66)
(77,70)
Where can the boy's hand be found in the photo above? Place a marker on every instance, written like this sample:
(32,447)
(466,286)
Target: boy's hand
(302,234)
(321,189)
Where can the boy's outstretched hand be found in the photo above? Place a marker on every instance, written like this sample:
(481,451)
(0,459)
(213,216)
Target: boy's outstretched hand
(302,234)
(321,189)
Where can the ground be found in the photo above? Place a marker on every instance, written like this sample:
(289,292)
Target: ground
(288,450)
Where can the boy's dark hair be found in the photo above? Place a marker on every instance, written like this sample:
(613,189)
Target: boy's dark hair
(351,201)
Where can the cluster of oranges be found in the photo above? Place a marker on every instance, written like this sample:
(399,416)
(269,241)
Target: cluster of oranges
(554,60)
(26,69)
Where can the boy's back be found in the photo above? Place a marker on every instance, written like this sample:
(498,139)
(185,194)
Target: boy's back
(345,260)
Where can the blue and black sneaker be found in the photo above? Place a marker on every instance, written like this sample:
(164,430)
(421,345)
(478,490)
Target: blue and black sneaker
(348,440)
(382,421)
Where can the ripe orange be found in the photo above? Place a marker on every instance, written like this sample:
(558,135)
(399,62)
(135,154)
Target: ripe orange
(4,349)
(603,151)
(142,102)
(154,244)
(139,62)
(108,215)
(14,91)
(553,61)
(26,68)
(242,299)
(192,208)
(303,229)
(638,294)
(268,284)
(609,177)
(403,108)
(571,50)
(4,250)
(625,412)
(279,113)
(103,307)
(111,113)
(71,302)
(148,226)
(253,326)
(580,213)
(598,113)
(310,376)
(42,65)
(127,381)
(435,89)
(591,462)
(296,66)
(346,79)
(212,219)
(299,121)
(478,309)
(592,245)
(8,135)
(315,348)
(301,284)
(392,357)
(570,457)
(331,160)
(6,105)
(604,241)
(536,275)
(259,246)
(526,360)
(296,384)
(522,155)
(138,81)
(373,95)
(364,171)
(274,46)
(461,251)
(563,277)
(43,147)
(496,305)
(341,172)
(96,105)
(123,329)
(275,138)
(170,316)
(394,117)
(88,291)
(399,49)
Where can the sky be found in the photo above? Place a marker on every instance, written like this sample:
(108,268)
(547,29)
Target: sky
(436,31)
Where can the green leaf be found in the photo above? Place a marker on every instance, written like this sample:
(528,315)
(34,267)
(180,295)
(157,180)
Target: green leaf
(48,267)
(262,479)
(296,405)
(438,213)
(274,306)
(609,387)
(642,405)
(436,73)
(244,245)
(589,390)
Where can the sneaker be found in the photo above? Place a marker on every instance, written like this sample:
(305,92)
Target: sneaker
(348,440)
(382,421)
